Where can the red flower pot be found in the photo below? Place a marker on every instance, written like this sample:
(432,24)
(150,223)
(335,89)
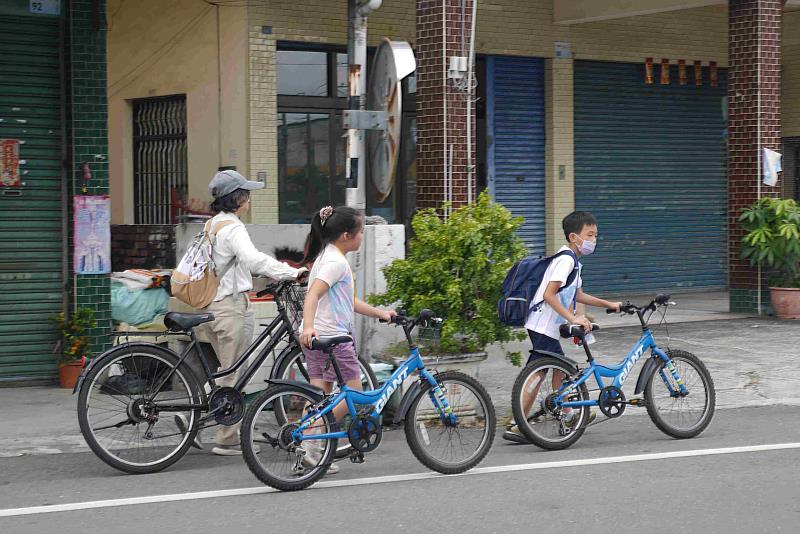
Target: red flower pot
(68,373)
(785,302)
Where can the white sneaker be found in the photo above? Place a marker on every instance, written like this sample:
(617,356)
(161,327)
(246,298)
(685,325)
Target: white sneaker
(232,450)
(183,427)
(312,457)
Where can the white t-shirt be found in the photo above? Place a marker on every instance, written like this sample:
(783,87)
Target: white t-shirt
(546,320)
(336,307)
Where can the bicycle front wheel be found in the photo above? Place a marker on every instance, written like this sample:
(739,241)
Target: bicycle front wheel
(120,410)
(681,416)
(445,446)
(535,413)
(269,450)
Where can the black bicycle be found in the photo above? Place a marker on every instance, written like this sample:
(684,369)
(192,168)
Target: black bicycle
(140,405)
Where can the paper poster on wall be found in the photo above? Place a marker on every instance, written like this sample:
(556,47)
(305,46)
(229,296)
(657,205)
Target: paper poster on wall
(92,253)
(9,163)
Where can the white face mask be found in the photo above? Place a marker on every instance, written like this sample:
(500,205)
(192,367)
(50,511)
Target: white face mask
(586,247)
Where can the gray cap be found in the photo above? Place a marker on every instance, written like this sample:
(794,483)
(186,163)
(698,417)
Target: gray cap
(225,182)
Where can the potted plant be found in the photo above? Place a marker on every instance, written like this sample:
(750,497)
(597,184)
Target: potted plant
(773,242)
(455,267)
(74,345)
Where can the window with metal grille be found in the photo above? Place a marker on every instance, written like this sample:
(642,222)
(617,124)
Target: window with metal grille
(160,177)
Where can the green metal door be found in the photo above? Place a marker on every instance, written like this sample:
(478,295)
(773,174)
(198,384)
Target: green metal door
(32,224)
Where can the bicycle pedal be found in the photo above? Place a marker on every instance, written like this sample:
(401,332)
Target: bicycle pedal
(357,458)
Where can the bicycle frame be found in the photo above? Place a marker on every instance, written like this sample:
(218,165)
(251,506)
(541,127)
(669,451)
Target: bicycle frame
(276,331)
(377,398)
(618,373)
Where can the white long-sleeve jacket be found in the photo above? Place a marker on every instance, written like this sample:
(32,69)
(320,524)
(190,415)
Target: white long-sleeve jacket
(233,243)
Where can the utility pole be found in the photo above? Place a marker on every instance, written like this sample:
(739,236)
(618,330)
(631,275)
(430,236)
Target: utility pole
(357,12)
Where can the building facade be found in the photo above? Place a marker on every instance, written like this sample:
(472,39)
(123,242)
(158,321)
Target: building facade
(578,105)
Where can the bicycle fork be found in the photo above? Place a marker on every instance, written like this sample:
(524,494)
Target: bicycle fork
(438,398)
(682,391)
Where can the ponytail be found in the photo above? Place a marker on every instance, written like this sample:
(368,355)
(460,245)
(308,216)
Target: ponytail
(337,221)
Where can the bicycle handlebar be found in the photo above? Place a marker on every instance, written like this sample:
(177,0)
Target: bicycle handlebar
(662,299)
(401,319)
(275,289)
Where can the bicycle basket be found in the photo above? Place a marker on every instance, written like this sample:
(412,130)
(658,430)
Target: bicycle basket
(293,298)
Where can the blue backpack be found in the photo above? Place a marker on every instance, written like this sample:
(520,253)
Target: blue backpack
(521,284)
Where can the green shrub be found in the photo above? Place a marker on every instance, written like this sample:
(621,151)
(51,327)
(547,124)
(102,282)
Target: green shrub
(773,239)
(455,268)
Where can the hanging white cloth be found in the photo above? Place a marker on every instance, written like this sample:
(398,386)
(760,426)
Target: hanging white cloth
(771,166)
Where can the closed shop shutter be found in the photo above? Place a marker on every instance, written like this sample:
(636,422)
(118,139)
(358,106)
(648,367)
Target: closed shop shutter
(515,148)
(650,163)
(31,225)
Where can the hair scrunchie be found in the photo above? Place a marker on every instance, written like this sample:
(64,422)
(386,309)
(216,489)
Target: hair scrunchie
(325,214)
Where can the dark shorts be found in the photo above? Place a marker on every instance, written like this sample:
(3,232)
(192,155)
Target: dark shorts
(543,346)
(345,354)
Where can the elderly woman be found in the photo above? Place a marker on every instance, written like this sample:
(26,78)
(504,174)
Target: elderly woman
(236,259)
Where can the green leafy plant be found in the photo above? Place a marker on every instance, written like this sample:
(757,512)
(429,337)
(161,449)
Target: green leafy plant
(773,239)
(74,344)
(455,268)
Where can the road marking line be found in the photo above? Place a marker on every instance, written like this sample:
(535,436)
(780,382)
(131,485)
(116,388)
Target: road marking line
(71,507)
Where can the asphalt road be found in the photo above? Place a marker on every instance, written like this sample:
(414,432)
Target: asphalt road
(629,477)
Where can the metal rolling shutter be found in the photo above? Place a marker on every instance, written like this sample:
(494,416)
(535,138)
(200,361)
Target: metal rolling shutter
(515,124)
(650,164)
(31,225)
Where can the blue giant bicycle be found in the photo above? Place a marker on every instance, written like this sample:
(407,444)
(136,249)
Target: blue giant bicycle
(551,402)
(289,434)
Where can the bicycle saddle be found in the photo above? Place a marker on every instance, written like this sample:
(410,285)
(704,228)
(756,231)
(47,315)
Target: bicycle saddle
(175,322)
(327,343)
(574,330)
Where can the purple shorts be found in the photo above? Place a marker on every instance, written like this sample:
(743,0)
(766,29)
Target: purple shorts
(345,354)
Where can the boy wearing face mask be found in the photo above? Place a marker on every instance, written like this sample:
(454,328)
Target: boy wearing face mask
(556,306)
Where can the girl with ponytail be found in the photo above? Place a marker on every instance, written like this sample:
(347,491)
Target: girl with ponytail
(330,304)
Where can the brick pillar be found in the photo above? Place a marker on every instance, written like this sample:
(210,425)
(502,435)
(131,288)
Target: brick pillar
(439,132)
(89,139)
(754,73)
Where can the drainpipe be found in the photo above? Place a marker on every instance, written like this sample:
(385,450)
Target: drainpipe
(357,11)
(470,89)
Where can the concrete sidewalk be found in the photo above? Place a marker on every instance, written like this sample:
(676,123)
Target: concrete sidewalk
(753,361)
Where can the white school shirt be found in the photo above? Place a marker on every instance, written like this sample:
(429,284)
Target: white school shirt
(233,243)
(546,320)
(336,307)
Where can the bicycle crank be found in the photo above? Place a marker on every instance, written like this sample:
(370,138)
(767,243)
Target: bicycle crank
(227,405)
(611,401)
(365,433)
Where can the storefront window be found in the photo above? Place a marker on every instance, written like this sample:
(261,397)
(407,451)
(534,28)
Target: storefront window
(303,73)
(305,152)
(312,87)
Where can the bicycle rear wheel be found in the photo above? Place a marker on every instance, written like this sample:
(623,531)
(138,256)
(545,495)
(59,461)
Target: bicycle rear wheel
(269,451)
(532,403)
(676,416)
(445,447)
(119,410)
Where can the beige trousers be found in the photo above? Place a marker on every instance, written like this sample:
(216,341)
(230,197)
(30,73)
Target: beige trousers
(230,333)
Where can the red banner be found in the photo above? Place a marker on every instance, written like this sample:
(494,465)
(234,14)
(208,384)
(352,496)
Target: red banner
(664,71)
(648,70)
(682,71)
(9,163)
(698,73)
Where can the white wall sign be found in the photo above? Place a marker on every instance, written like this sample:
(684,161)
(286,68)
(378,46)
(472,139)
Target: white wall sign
(45,7)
